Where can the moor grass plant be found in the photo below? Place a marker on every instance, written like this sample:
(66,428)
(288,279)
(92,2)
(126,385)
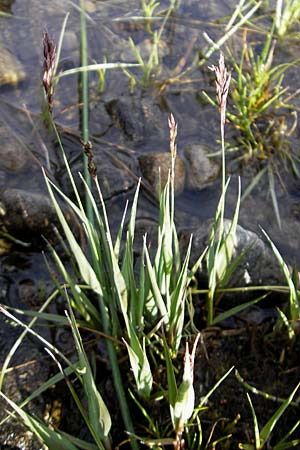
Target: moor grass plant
(139,309)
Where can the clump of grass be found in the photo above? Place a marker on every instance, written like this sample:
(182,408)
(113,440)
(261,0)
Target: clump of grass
(141,316)
(257,95)
(259,102)
(287,14)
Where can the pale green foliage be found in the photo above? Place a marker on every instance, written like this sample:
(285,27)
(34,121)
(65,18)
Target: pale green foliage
(99,417)
(220,251)
(169,279)
(184,406)
(50,437)
(292,318)
(287,14)
(257,90)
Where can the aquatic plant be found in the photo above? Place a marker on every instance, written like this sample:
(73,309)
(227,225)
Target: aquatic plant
(287,14)
(257,96)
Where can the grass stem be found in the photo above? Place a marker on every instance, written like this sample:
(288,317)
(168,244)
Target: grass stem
(84,97)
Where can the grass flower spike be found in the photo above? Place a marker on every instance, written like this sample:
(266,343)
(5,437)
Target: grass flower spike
(49,66)
(222,85)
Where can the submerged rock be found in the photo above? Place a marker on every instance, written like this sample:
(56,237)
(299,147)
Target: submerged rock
(13,154)
(258,267)
(137,117)
(11,69)
(27,214)
(155,168)
(201,168)
(117,174)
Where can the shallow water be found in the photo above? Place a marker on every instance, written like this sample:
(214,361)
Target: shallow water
(110,24)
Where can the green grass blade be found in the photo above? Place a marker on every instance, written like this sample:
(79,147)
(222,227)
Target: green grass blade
(294,298)
(172,387)
(178,297)
(86,270)
(212,390)
(284,444)
(82,303)
(19,340)
(98,413)
(139,364)
(236,310)
(51,438)
(257,437)
(37,392)
(154,285)
(79,442)
(268,428)
(285,321)
(60,41)
(95,68)
(273,195)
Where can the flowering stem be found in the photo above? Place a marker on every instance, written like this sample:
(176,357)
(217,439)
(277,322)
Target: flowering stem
(84,82)
(222,88)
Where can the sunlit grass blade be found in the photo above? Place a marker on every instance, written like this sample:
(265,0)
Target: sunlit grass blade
(60,42)
(273,195)
(47,436)
(172,387)
(83,445)
(41,389)
(177,308)
(28,329)
(99,416)
(204,399)
(185,398)
(127,268)
(268,428)
(235,310)
(294,295)
(82,303)
(288,325)
(229,32)
(154,285)
(255,181)
(139,364)
(86,269)
(225,251)
(95,67)
(257,436)
(19,340)
(283,444)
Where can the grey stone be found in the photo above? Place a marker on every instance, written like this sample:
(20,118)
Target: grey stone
(156,166)
(200,167)
(11,69)
(27,213)
(259,265)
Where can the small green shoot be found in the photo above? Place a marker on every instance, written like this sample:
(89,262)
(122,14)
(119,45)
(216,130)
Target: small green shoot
(287,14)
(292,318)
(262,437)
